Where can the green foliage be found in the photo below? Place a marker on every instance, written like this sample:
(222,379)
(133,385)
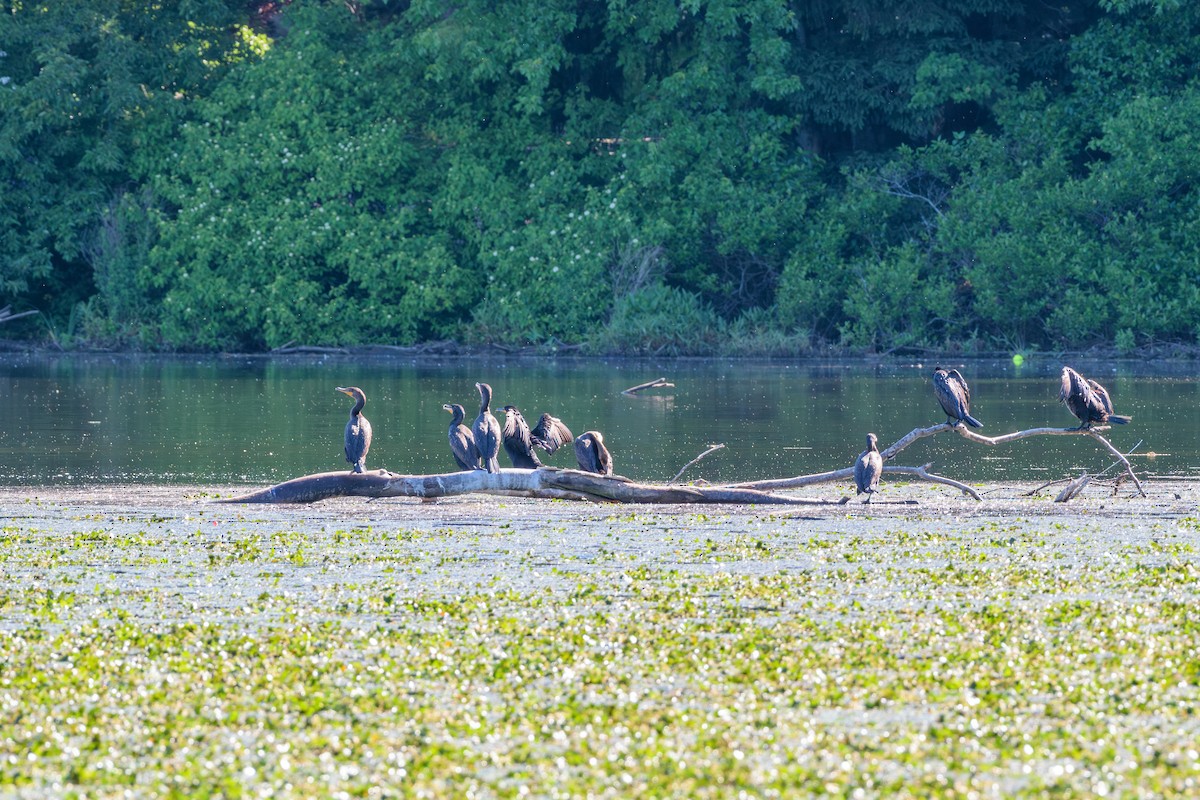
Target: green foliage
(933,173)
(660,320)
(77,81)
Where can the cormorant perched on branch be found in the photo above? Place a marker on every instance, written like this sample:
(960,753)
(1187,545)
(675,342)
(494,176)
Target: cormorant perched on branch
(868,468)
(591,453)
(487,430)
(954,395)
(1087,400)
(551,434)
(358,430)
(462,441)
(517,442)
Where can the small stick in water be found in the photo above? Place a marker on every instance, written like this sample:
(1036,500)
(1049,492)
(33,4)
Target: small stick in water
(657,383)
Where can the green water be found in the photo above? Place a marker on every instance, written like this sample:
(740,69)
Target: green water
(72,420)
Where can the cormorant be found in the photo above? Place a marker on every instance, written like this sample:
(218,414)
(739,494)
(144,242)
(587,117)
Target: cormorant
(486,430)
(551,434)
(954,395)
(358,430)
(1087,400)
(591,453)
(517,441)
(868,468)
(462,441)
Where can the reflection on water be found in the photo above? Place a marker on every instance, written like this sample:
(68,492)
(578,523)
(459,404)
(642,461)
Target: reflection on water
(259,420)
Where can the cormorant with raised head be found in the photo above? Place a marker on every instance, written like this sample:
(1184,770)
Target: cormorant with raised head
(487,430)
(462,441)
(868,468)
(591,453)
(551,434)
(1087,400)
(517,442)
(952,392)
(358,430)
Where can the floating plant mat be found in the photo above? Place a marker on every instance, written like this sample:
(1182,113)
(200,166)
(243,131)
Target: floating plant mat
(155,641)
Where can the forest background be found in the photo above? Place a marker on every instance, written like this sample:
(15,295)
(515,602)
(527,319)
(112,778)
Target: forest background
(665,176)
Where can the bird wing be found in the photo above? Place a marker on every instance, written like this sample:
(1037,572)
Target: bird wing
(956,377)
(551,434)
(1101,395)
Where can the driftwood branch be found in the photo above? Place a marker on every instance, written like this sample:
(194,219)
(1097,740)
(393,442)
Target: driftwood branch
(6,314)
(847,474)
(1073,488)
(683,469)
(920,433)
(657,383)
(547,482)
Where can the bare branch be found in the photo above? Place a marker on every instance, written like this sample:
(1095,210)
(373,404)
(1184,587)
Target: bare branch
(711,449)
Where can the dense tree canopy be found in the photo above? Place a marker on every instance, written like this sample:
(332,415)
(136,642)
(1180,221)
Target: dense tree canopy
(653,176)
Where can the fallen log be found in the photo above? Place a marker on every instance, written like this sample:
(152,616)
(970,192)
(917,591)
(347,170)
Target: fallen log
(547,482)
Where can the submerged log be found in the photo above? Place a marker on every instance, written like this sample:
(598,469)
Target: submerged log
(547,482)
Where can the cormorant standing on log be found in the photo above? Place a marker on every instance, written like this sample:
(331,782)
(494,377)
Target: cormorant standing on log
(868,468)
(1087,400)
(551,434)
(952,392)
(462,441)
(358,430)
(591,453)
(487,431)
(517,441)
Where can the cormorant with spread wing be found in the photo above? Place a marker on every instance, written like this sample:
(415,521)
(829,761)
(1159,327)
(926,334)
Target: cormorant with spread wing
(551,434)
(517,440)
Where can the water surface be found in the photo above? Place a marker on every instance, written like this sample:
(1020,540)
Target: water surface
(108,419)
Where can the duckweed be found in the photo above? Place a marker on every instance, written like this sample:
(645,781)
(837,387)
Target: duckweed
(606,655)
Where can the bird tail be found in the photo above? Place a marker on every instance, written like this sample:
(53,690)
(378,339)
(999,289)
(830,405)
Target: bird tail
(493,465)
(1120,419)
(974,423)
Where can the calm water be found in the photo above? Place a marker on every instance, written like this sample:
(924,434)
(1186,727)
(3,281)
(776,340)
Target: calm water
(255,420)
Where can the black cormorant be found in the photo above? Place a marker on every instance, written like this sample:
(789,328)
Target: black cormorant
(358,430)
(591,453)
(486,430)
(462,441)
(1087,400)
(517,442)
(868,468)
(551,434)
(952,392)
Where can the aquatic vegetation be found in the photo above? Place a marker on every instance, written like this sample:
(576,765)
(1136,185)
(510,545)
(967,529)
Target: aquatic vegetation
(611,655)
